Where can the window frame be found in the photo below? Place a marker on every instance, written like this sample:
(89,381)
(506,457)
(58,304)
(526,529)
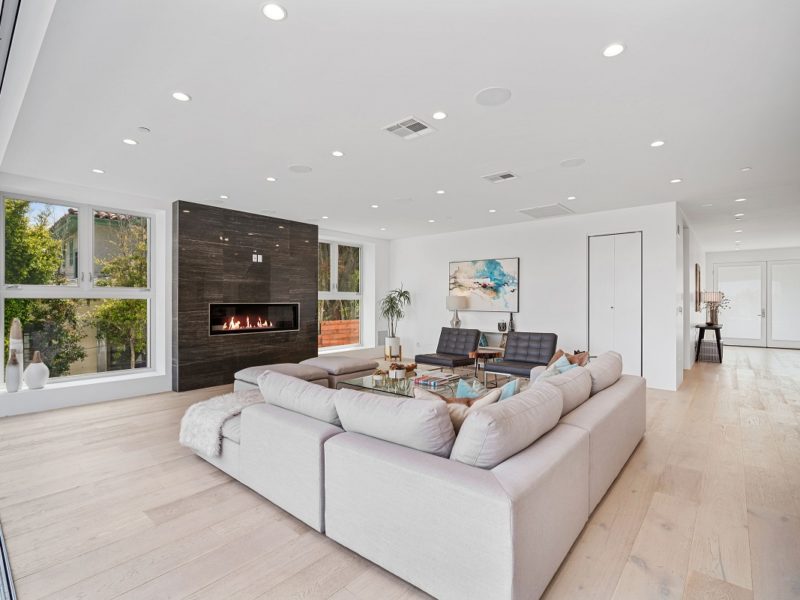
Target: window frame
(85,288)
(335,294)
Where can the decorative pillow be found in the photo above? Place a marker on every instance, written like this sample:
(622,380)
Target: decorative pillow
(509,389)
(466,390)
(562,365)
(299,396)
(575,386)
(493,433)
(419,424)
(459,412)
(581,359)
(605,370)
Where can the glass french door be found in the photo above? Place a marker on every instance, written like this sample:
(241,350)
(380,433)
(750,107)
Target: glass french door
(764,297)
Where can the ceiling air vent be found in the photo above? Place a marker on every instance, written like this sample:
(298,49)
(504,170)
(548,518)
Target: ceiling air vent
(498,177)
(409,128)
(550,210)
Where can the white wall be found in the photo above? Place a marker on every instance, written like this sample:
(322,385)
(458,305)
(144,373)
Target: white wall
(737,256)
(553,280)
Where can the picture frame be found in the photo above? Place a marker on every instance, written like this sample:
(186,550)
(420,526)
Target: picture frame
(489,284)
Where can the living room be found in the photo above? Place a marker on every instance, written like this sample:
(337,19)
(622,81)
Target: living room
(399,300)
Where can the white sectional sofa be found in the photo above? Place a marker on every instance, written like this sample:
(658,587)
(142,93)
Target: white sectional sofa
(489,513)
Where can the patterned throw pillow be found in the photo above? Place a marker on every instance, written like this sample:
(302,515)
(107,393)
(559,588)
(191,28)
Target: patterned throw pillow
(509,389)
(561,365)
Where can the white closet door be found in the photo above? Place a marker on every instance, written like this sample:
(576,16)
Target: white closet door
(615,297)
(628,300)
(601,294)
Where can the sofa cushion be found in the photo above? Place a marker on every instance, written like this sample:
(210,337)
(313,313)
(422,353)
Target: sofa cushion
(299,396)
(494,433)
(420,424)
(575,386)
(459,412)
(304,372)
(605,370)
(341,365)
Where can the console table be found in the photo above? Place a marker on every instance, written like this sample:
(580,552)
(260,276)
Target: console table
(717,331)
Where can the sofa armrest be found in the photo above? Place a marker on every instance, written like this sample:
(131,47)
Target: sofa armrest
(439,524)
(548,484)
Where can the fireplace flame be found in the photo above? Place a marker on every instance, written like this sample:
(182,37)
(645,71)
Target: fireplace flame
(235,323)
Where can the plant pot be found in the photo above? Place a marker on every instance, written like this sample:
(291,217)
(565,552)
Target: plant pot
(392,348)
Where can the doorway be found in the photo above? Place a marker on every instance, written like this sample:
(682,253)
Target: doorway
(764,296)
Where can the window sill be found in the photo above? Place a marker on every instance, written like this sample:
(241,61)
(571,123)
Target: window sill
(70,383)
(336,349)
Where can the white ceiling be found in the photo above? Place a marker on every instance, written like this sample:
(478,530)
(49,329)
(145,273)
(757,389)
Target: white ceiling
(719,81)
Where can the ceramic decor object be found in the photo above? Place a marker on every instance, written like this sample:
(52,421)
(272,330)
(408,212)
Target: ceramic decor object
(13,372)
(37,373)
(15,341)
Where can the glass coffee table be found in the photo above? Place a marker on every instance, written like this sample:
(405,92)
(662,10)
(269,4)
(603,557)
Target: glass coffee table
(405,387)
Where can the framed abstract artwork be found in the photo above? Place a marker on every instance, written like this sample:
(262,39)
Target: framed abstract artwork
(490,284)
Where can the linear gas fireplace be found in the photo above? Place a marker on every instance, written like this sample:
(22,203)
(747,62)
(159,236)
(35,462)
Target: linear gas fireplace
(262,317)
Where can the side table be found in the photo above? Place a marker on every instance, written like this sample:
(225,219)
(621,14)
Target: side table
(485,354)
(717,331)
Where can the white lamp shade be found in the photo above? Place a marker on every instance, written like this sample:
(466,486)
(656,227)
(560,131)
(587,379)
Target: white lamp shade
(456,302)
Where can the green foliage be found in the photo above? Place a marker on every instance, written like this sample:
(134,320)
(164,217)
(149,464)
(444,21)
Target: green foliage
(33,256)
(123,323)
(393,306)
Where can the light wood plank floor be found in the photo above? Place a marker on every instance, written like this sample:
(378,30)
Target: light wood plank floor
(101,502)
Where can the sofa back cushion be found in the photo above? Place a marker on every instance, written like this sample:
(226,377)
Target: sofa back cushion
(419,424)
(299,396)
(605,370)
(494,433)
(458,341)
(575,385)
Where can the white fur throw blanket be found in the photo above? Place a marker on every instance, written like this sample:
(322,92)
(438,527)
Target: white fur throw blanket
(201,426)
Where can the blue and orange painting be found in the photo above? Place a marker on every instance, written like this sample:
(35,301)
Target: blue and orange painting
(490,285)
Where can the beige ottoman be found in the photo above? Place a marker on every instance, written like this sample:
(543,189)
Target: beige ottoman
(247,379)
(342,368)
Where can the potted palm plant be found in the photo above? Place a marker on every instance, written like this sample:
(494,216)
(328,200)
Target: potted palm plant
(392,309)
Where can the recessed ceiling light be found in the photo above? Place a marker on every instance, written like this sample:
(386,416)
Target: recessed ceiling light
(271,179)
(274,12)
(383,228)
(571,198)
(98,171)
(707,205)
(745,169)
(223,197)
(739,215)
(439,115)
(741,200)
(656,143)
(373,206)
(431,220)
(440,192)
(181,96)
(613,50)
(337,153)
(493,96)
(129,141)
(675,180)
(737,231)
(324,217)
(738,241)
(492,210)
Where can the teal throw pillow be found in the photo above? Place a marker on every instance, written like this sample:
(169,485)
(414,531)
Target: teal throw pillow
(509,389)
(465,390)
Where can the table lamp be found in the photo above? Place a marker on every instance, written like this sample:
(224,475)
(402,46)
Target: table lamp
(455,303)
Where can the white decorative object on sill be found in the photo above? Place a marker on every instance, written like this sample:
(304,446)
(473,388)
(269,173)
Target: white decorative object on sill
(15,341)
(37,373)
(13,372)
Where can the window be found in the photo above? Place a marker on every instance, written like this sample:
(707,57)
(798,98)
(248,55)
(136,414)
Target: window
(339,304)
(85,315)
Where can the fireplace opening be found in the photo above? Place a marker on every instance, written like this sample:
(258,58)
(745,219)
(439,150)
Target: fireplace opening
(261,317)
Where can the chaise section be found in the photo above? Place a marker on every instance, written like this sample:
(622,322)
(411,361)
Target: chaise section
(247,379)
(342,368)
(615,421)
(453,530)
(282,459)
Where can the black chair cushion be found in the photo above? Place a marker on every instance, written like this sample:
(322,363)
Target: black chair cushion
(458,341)
(512,367)
(444,360)
(530,347)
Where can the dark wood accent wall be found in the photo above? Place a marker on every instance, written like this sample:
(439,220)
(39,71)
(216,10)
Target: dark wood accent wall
(212,261)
